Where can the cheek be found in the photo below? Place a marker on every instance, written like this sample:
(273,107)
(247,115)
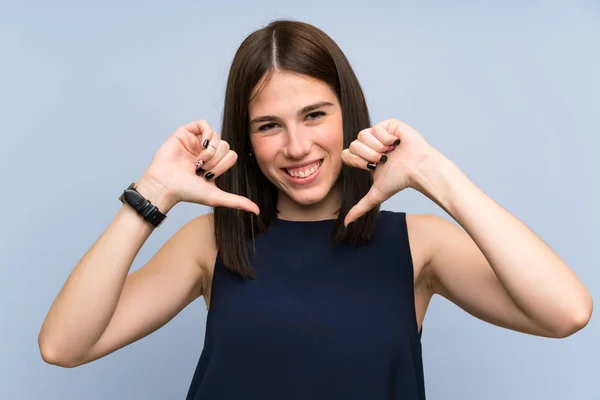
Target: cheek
(265,152)
(330,136)
(335,141)
(261,149)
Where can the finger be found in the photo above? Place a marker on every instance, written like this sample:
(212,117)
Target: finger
(398,128)
(201,129)
(228,161)
(229,200)
(366,204)
(211,146)
(384,136)
(363,151)
(357,162)
(216,158)
(193,135)
(367,137)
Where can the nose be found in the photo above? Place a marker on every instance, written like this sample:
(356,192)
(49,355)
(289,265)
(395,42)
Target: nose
(298,143)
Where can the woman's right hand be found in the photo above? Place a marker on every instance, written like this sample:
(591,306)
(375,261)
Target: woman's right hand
(174,166)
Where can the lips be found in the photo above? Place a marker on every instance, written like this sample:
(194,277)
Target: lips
(304,171)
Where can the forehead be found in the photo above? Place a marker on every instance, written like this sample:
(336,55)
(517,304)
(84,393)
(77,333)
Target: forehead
(286,91)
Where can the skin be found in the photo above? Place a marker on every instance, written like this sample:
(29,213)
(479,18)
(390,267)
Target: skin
(283,134)
(489,263)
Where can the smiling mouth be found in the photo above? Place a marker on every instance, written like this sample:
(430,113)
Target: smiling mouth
(304,171)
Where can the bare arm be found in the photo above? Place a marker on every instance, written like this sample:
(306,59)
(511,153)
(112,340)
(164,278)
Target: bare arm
(496,268)
(101,308)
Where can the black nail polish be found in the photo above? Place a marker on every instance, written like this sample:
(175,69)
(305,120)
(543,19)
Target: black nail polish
(209,175)
(397,142)
(199,171)
(205,143)
(372,166)
(383,159)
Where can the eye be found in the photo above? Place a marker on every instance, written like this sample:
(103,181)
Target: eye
(315,115)
(267,127)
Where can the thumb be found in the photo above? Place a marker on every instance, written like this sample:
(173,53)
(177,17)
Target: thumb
(230,200)
(366,204)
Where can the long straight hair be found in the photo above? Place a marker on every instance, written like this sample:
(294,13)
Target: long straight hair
(304,49)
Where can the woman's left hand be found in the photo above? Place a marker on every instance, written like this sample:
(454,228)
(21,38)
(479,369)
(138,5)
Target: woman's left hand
(393,152)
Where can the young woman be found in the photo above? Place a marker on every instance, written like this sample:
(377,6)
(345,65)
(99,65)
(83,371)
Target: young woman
(312,291)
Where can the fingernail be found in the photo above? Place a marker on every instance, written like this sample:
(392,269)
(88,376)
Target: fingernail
(209,175)
(397,142)
(205,143)
(199,171)
(383,159)
(372,166)
(199,163)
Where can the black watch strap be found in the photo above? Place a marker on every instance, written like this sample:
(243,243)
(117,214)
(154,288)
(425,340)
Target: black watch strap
(142,206)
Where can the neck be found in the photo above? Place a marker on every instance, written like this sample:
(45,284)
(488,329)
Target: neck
(327,208)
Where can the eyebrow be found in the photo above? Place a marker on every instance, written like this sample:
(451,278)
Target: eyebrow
(304,110)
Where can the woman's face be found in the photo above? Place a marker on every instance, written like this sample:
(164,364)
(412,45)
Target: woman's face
(296,133)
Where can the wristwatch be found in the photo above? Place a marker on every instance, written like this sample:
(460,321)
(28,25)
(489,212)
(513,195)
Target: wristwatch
(141,205)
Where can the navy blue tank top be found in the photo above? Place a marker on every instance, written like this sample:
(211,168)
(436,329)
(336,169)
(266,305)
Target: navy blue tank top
(321,321)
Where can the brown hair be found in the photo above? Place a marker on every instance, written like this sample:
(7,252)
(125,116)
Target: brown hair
(304,49)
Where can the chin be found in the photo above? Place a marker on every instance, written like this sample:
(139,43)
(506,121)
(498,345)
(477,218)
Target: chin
(307,199)
(311,196)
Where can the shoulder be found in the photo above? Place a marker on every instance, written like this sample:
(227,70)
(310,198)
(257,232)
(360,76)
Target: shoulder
(198,237)
(432,231)
(421,231)
(425,228)
(202,224)
(419,227)
(201,230)
(433,235)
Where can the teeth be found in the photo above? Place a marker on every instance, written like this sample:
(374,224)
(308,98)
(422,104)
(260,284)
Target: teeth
(306,172)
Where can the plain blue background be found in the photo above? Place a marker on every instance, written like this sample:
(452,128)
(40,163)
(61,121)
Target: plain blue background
(88,92)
